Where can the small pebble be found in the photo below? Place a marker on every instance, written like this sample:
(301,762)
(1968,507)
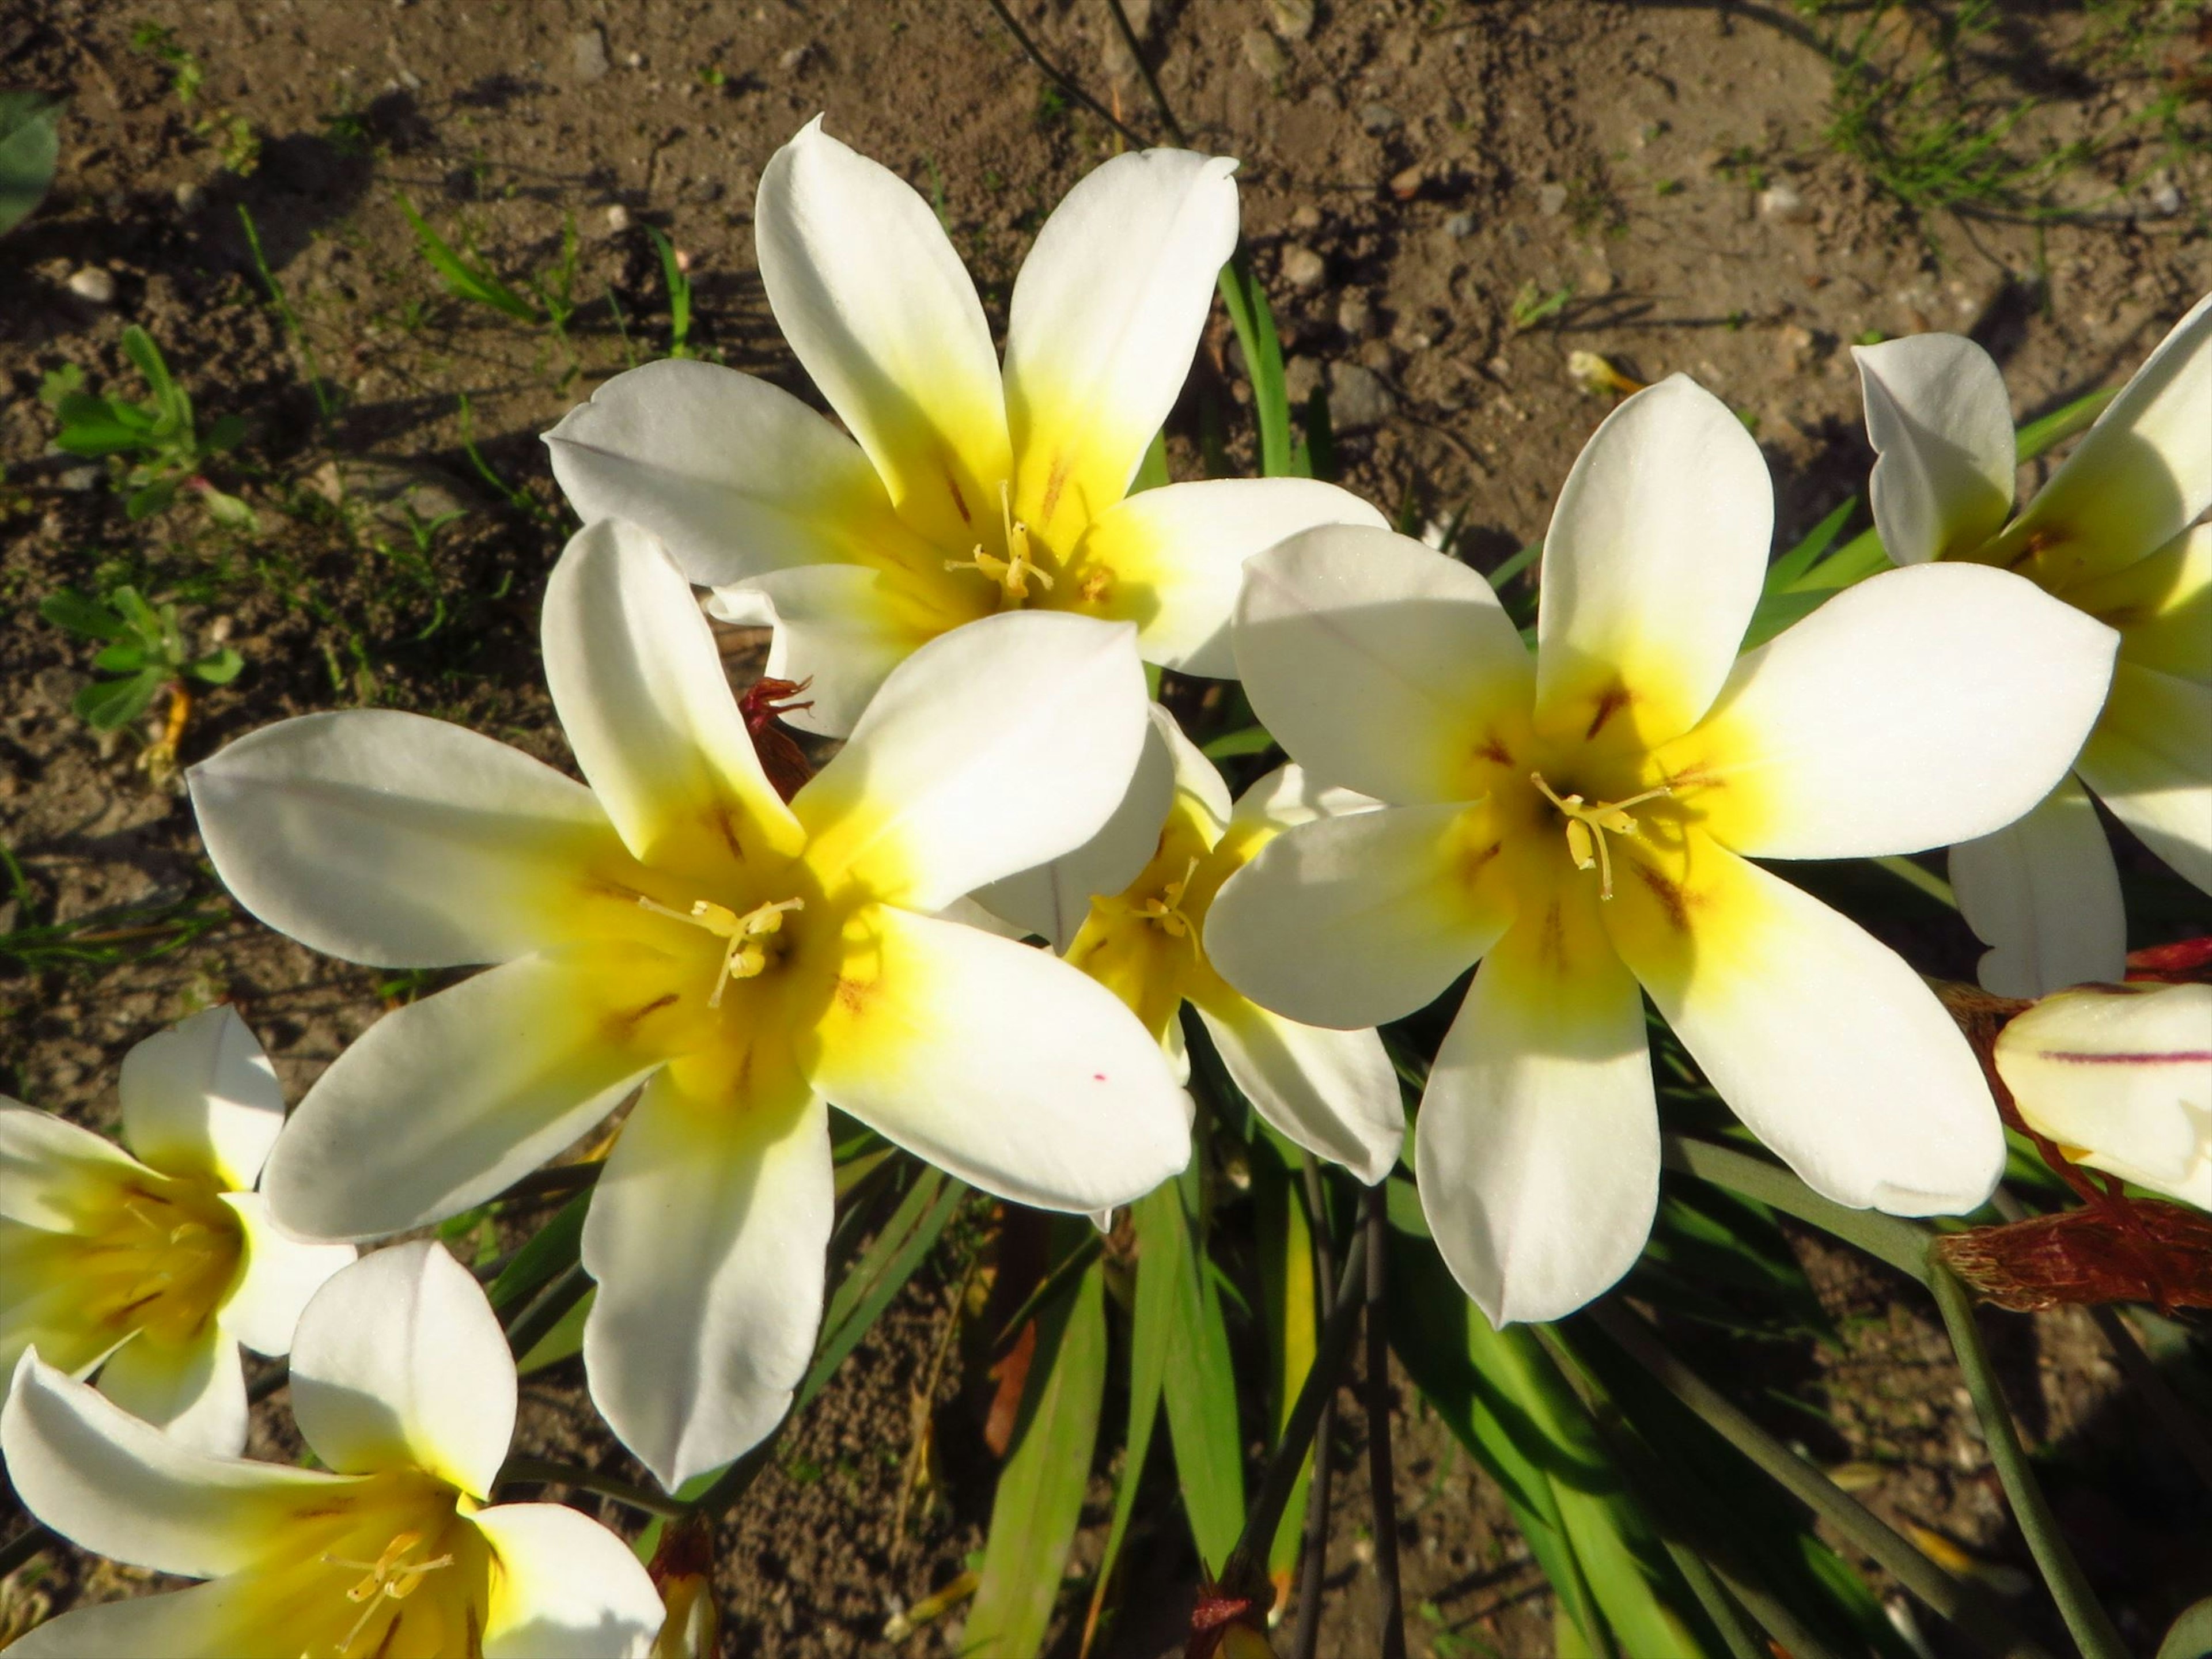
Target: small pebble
(588,48)
(1784,205)
(1302,378)
(1552,200)
(79,479)
(1459,225)
(188,196)
(1379,118)
(798,55)
(634,60)
(1265,55)
(1306,217)
(94,284)
(1303,267)
(1293,19)
(617,218)
(1406,185)
(1358,398)
(1355,314)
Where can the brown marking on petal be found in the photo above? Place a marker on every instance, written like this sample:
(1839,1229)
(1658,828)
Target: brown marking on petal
(722,819)
(390,1634)
(1666,890)
(321,1511)
(1551,945)
(1611,703)
(1493,749)
(1054,484)
(1472,868)
(959,501)
(130,1308)
(623,1026)
(853,994)
(2171,1057)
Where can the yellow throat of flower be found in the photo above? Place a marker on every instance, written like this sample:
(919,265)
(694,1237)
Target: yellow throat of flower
(1018,569)
(1588,824)
(159,1261)
(747,955)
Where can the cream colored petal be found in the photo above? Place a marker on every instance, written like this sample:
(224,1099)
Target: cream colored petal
(203,1622)
(2150,761)
(194,1392)
(2045,895)
(638,683)
(282,1273)
(1172,560)
(2162,606)
(202,1099)
(734,476)
(840,628)
(1652,564)
(1941,424)
(2136,479)
(566,1589)
(52,1173)
(1105,317)
(868,289)
(399,1363)
(1827,1045)
(1333,1092)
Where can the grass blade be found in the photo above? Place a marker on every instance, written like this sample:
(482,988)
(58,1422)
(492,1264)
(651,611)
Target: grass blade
(880,1273)
(1263,360)
(467,281)
(1200,1388)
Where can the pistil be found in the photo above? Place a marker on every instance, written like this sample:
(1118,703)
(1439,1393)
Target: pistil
(1013,572)
(1163,909)
(390,1577)
(1589,822)
(746,955)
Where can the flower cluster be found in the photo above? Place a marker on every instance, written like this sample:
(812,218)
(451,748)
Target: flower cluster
(970,589)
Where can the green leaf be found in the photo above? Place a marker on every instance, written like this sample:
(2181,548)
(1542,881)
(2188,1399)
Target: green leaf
(227,510)
(81,615)
(1152,1336)
(1252,740)
(1255,325)
(227,432)
(30,145)
(1200,1387)
(552,1249)
(105,704)
(93,426)
(1040,1495)
(882,1270)
(678,282)
(469,281)
(2189,1636)
(176,409)
(132,605)
(1152,470)
(1800,559)
(144,503)
(563,1342)
(218,667)
(122,657)
(1290,1315)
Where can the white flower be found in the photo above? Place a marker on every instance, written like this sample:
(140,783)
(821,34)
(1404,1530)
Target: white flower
(2120,1076)
(1146,882)
(1585,822)
(402,1384)
(2110,533)
(677,925)
(963,489)
(151,1269)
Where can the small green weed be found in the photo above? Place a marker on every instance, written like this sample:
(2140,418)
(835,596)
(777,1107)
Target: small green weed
(1533,306)
(680,294)
(143,652)
(165,448)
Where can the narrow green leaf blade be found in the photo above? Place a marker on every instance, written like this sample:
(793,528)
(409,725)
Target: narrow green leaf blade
(30,145)
(105,704)
(882,1271)
(1200,1387)
(553,1249)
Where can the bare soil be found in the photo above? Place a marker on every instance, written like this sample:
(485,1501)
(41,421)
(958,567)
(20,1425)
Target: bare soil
(1445,199)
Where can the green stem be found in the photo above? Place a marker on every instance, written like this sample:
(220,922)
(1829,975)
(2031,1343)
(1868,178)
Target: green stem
(1789,1631)
(1071,1267)
(1246,1568)
(1742,1643)
(1903,1245)
(542,1471)
(32,1541)
(2086,1618)
(537,1321)
(1379,1473)
(1921,879)
(1965,1605)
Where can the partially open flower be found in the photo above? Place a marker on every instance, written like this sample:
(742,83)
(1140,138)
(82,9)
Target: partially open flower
(2111,533)
(1586,823)
(965,489)
(151,1270)
(2120,1077)
(403,1386)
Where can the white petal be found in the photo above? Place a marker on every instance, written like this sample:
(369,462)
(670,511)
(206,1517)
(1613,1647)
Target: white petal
(1173,558)
(638,683)
(282,1273)
(1821,1039)
(445,1102)
(1352,921)
(400,1364)
(839,629)
(734,476)
(1000,1064)
(2162,606)
(1105,317)
(706,1234)
(201,1098)
(1652,565)
(872,297)
(567,1588)
(1289,795)
(1537,1145)
(1052,900)
(2124,1072)
(2045,895)
(996,747)
(386,838)
(1925,706)
(203,1622)
(1941,424)
(2141,475)
(123,1489)
(1377,662)
(2150,761)
(51,1172)
(1333,1092)
(194,1392)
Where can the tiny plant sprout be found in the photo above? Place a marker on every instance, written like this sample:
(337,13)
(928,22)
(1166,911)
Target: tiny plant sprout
(164,449)
(145,655)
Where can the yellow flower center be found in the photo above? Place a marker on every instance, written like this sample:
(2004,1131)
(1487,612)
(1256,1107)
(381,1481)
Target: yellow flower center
(1163,909)
(1589,822)
(746,956)
(1018,568)
(161,1261)
(390,1577)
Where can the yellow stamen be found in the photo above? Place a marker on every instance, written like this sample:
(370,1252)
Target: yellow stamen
(1013,572)
(390,1577)
(746,956)
(1164,909)
(1589,822)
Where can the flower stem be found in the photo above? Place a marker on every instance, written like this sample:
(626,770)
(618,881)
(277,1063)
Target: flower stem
(30,1542)
(1965,1605)
(537,1321)
(1246,1568)
(1379,1473)
(2085,1618)
(1066,82)
(1313,1562)
(545,1471)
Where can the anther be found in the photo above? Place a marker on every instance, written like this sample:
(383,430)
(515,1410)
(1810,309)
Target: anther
(1018,570)
(746,956)
(1589,822)
(389,1577)
(1164,909)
